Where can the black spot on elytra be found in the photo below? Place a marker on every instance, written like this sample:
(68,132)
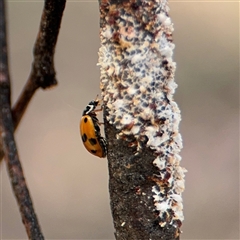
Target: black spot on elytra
(94,151)
(84,137)
(85,119)
(93,141)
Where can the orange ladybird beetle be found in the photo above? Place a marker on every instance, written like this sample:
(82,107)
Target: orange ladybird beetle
(90,131)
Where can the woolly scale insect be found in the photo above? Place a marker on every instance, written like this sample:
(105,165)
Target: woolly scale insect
(90,131)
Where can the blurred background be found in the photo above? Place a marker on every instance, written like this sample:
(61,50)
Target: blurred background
(69,186)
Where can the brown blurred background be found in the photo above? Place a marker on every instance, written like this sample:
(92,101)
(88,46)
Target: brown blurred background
(69,186)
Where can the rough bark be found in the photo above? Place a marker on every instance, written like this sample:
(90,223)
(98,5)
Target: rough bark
(141,119)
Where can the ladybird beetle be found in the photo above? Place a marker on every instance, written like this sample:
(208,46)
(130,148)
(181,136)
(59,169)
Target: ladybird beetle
(90,131)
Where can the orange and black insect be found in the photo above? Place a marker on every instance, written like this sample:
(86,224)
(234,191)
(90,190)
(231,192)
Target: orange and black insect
(90,131)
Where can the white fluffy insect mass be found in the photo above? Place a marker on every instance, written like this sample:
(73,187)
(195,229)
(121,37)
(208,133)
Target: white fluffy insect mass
(137,82)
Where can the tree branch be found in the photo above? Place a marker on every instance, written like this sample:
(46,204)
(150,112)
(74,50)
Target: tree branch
(141,119)
(19,186)
(42,75)
(43,72)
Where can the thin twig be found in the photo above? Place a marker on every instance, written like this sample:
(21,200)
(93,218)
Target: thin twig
(15,171)
(42,75)
(43,72)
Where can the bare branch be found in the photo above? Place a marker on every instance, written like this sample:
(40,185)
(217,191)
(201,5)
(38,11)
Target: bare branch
(141,119)
(15,171)
(43,66)
(42,75)
(43,72)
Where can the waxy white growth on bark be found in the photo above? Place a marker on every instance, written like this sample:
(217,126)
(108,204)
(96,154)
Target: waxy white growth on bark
(137,82)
